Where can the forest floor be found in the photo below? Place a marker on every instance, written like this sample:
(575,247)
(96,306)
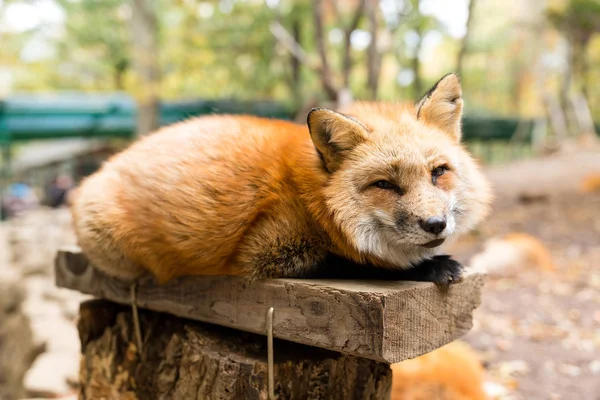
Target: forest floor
(539,332)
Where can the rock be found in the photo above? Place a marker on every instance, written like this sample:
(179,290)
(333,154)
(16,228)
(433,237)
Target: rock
(17,348)
(58,334)
(68,300)
(510,368)
(28,246)
(569,369)
(50,375)
(594,367)
(37,307)
(495,390)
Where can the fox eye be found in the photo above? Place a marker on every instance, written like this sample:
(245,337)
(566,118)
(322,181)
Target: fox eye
(386,185)
(382,184)
(437,172)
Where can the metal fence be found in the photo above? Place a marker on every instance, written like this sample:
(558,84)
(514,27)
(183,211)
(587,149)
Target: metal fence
(24,118)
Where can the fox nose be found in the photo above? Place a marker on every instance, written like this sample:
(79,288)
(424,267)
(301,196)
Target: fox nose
(435,225)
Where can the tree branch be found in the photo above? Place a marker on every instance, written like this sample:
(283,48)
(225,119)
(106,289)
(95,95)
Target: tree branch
(336,9)
(373,52)
(465,40)
(291,45)
(326,77)
(416,62)
(144,35)
(347,55)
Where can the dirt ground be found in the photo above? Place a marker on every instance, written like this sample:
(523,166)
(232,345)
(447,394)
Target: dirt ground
(539,332)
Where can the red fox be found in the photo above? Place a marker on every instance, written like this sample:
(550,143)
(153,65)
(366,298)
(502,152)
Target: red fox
(379,184)
(591,183)
(512,253)
(452,372)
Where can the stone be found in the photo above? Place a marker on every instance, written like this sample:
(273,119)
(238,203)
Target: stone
(50,374)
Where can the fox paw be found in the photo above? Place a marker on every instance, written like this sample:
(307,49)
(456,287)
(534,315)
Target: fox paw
(441,270)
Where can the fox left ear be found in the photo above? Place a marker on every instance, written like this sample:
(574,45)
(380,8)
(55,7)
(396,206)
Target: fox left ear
(334,135)
(442,106)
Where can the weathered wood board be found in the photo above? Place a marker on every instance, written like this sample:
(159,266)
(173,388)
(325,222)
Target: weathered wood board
(387,321)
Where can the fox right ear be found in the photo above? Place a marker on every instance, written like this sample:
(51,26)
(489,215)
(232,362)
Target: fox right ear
(334,134)
(442,106)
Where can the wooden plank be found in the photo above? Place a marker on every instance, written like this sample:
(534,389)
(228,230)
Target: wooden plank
(387,321)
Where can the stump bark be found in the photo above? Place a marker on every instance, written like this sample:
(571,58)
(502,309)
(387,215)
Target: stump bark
(184,359)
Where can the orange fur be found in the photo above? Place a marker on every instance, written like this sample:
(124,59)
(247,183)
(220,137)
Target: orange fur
(452,372)
(512,253)
(535,252)
(242,195)
(591,183)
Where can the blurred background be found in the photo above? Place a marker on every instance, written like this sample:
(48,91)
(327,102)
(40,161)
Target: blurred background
(80,79)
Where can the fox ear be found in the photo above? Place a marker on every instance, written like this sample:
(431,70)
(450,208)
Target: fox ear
(442,106)
(334,134)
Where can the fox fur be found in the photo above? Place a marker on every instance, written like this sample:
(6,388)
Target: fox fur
(241,195)
(452,372)
(591,183)
(511,254)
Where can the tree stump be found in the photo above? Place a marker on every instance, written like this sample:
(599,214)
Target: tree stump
(184,359)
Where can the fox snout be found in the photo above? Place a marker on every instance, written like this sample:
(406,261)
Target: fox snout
(434,225)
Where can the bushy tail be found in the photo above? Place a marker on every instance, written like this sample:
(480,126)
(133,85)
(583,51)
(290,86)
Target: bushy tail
(591,183)
(515,252)
(452,372)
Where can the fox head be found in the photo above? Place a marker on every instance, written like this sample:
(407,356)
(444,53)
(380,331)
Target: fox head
(399,183)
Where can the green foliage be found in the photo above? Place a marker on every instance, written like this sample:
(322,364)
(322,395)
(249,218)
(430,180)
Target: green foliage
(96,42)
(580,19)
(225,53)
(225,49)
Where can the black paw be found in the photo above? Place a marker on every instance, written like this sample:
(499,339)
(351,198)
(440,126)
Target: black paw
(441,270)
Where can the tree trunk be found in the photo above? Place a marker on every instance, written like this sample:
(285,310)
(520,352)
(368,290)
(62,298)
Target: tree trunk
(416,62)
(373,55)
(325,72)
(584,69)
(557,119)
(416,67)
(144,27)
(464,43)
(5,171)
(295,63)
(518,77)
(119,73)
(347,54)
(190,360)
(567,79)
(583,116)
